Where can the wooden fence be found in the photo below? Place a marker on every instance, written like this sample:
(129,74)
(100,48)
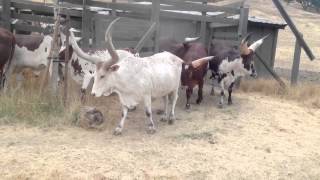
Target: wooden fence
(83,16)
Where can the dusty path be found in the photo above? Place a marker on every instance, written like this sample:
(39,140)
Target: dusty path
(257,138)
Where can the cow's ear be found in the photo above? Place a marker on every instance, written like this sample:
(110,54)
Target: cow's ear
(114,67)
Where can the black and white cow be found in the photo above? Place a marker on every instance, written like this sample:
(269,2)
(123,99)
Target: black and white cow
(230,63)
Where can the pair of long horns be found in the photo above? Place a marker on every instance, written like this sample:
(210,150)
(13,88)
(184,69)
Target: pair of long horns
(245,50)
(92,58)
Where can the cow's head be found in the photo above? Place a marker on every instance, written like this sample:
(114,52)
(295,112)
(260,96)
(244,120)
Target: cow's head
(247,54)
(189,68)
(105,70)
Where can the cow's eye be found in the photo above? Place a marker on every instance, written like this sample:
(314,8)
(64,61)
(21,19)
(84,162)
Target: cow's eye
(101,77)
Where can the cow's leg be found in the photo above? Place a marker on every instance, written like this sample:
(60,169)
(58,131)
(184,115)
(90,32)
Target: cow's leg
(200,97)
(174,98)
(119,128)
(85,84)
(166,103)
(230,92)
(221,94)
(19,80)
(188,93)
(151,126)
(7,76)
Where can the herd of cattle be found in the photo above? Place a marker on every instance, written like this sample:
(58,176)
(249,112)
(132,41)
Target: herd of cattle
(133,78)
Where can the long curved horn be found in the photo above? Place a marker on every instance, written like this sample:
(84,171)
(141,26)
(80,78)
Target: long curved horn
(246,38)
(110,46)
(197,63)
(190,40)
(258,43)
(244,50)
(79,51)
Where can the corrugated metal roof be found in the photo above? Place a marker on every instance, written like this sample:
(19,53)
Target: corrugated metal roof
(255,19)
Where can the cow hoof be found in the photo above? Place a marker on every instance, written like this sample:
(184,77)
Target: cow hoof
(230,103)
(188,106)
(159,111)
(220,105)
(117,132)
(212,93)
(164,119)
(171,121)
(199,101)
(151,130)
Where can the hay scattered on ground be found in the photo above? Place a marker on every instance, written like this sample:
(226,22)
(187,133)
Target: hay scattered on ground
(305,93)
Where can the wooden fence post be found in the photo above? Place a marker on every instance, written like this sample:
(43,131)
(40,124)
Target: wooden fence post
(6,14)
(85,33)
(243,22)
(66,60)
(296,64)
(155,18)
(203,26)
(55,47)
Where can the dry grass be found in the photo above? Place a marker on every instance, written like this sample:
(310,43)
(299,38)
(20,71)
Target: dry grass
(305,93)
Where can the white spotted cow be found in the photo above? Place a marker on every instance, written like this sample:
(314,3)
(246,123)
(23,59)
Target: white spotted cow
(137,79)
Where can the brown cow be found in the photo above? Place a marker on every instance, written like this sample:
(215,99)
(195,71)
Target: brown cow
(191,76)
(7,44)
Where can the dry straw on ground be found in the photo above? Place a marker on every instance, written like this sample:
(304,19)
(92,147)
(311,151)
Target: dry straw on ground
(305,93)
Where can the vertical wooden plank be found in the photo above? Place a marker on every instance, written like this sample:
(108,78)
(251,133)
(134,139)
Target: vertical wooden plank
(6,14)
(274,47)
(66,60)
(113,12)
(155,18)
(243,22)
(296,64)
(85,24)
(203,25)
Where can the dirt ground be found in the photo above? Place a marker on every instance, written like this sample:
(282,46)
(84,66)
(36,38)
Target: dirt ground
(259,137)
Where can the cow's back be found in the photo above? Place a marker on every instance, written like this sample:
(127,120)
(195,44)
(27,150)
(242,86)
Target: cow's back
(222,50)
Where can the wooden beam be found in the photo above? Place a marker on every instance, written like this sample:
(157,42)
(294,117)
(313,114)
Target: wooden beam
(66,61)
(294,29)
(156,19)
(85,25)
(272,72)
(145,37)
(191,17)
(296,64)
(30,17)
(243,22)
(188,6)
(203,26)
(6,14)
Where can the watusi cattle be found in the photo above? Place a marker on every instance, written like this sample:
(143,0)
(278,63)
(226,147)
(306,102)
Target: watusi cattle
(31,51)
(81,70)
(190,76)
(230,62)
(137,79)
(7,45)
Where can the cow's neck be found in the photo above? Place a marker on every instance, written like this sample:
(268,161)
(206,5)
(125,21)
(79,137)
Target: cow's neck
(236,66)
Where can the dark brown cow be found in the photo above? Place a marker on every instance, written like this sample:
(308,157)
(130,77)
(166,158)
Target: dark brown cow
(191,76)
(7,44)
